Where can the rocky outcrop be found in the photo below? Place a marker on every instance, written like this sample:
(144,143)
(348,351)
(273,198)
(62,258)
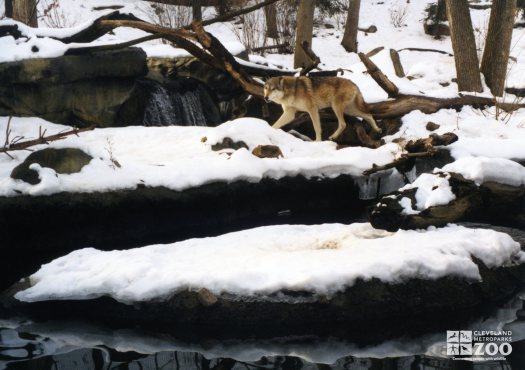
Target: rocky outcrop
(69,160)
(73,89)
(102,89)
(490,201)
(63,222)
(365,302)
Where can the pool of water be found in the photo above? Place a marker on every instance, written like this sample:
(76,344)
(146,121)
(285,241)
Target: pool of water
(26,344)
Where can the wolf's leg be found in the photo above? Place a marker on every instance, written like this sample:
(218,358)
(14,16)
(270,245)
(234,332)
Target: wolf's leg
(314,115)
(287,116)
(339,112)
(352,110)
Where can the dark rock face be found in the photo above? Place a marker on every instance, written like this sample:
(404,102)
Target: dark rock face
(74,90)
(143,216)
(104,89)
(69,160)
(71,68)
(365,302)
(488,202)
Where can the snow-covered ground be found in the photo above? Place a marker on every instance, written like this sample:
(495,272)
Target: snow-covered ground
(176,158)
(322,259)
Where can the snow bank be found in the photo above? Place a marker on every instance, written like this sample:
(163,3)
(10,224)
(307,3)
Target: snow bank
(322,258)
(176,157)
(432,190)
(483,169)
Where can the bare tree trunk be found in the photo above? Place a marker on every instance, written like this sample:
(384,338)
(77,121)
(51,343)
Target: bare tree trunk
(270,13)
(352,22)
(464,45)
(197,10)
(25,11)
(441,13)
(9,8)
(305,26)
(222,7)
(497,45)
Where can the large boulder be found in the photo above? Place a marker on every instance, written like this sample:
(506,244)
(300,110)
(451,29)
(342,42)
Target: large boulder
(68,160)
(366,302)
(72,89)
(482,189)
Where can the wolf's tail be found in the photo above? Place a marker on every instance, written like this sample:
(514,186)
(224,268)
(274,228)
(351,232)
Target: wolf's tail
(360,103)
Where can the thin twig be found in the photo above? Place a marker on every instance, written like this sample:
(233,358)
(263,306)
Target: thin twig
(42,139)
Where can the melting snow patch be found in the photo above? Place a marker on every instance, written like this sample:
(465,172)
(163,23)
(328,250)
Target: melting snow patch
(320,258)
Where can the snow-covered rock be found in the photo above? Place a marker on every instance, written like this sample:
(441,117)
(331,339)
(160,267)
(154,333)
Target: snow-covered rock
(293,274)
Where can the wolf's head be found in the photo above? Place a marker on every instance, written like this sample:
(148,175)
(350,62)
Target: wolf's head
(274,89)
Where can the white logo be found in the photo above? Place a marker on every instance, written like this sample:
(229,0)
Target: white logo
(479,344)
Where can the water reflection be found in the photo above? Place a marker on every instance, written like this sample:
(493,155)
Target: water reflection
(81,345)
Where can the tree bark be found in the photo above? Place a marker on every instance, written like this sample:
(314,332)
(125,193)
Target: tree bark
(222,7)
(196,9)
(379,77)
(352,22)
(25,11)
(305,24)
(9,8)
(497,45)
(270,13)
(396,61)
(464,45)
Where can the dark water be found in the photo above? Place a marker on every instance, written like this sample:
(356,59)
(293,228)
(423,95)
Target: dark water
(81,345)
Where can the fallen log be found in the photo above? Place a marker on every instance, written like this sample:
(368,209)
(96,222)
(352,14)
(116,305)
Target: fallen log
(373,52)
(396,61)
(217,56)
(415,149)
(404,104)
(427,50)
(270,47)
(382,80)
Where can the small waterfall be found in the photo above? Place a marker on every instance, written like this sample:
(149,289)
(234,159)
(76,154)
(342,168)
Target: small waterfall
(190,107)
(160,110)
(180,102)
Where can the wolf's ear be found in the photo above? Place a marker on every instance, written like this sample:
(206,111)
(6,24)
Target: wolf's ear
(281,83)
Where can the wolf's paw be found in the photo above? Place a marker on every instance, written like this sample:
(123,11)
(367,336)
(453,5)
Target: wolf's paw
(378,130)
(333,137)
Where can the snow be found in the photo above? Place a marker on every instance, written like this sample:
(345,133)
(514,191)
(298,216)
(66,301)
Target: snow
(432,190)
(322,258)
(176,157)
(482,169)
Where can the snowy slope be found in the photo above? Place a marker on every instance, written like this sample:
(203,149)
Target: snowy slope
(176,158)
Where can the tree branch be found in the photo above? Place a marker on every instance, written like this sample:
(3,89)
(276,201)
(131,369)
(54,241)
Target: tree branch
(42,139)
(227,17)
(382,80)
